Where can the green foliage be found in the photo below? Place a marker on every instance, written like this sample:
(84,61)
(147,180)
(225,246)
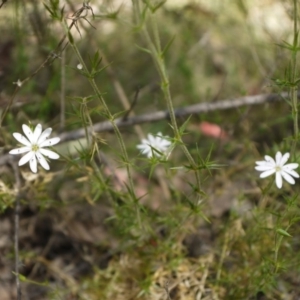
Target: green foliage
(55,12)
(244,230)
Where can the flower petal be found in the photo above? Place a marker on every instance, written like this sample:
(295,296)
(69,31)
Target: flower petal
(163,140)
(44,135)
(278,178)
(165,143)
(291,172)
(267,173)
(37,132)
(155,145)
(149,154)
(26,158)
(156,152)
(142,146)
(28,132)
(263,168)
(151,139)
(21,139)
(50,142)
(20,150)
(284,159)
(291,166)
(288,177)
(261,162)
(41,159)
(266,164)
(49,153)
(278,158)
(33,164)
(269,159)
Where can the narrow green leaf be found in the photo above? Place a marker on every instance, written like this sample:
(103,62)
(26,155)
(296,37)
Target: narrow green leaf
(143,49)
(184,125)
(286,45)
(283,232)
(70,37)
(296,39)
(168,46)
(155,8)
(22,277)
(96,58)
(48,8)
(62,11)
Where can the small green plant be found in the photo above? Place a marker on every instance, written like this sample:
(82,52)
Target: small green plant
(127,214)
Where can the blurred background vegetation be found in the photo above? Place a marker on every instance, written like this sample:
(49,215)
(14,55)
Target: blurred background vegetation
(78,236)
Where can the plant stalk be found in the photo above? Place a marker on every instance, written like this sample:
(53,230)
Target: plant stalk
(158,59)
(294,87)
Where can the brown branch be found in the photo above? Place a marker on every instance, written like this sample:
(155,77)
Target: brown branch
(3,2)
(179,112)
(161,115)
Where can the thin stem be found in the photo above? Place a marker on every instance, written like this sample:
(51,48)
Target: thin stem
(115,128)
(155,34)
(63,91)
(294,87)
(108,113)
(83,115)
(264,199)
(165,86)
(16,221)
(222,258)
(121,93)
(277,247)
(278,242)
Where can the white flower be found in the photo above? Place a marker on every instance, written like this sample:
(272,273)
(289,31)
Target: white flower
(34,144)
(269,166)
(79,67)
(18,83)
(155,145)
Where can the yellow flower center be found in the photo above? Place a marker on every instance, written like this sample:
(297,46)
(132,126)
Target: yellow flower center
(35,147)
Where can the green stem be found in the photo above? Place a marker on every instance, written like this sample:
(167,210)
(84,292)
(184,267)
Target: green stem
(156,34)
(294,87)
(115,128)
(278,242)
(263,201)
(158,59)
(110,118)
(277,247)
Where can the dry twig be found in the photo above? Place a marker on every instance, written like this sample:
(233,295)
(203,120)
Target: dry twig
(3,2)
(161,115)
(179,112)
